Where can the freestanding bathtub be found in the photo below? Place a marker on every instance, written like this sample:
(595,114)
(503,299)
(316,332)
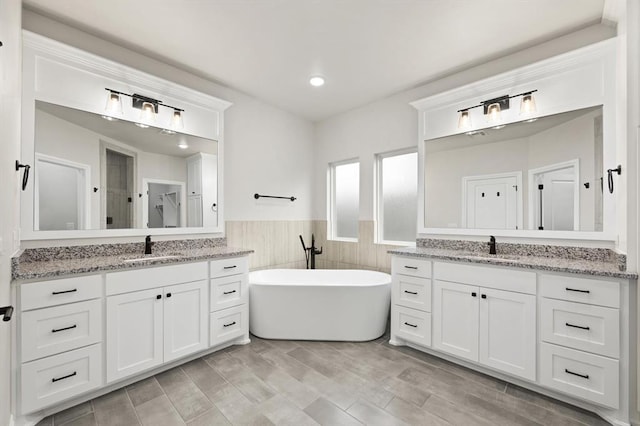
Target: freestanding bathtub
(319,304)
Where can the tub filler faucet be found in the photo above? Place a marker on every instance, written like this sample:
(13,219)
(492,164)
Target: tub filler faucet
(310,253)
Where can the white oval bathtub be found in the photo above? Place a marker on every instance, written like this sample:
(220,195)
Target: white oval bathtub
(319,304)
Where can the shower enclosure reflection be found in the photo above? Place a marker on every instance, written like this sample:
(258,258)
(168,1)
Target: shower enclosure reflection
(93,173)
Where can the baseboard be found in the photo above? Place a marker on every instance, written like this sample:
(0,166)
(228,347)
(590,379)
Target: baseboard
(11,421)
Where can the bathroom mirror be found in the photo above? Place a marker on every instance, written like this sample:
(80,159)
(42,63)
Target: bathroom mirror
(91,173)
(544,174)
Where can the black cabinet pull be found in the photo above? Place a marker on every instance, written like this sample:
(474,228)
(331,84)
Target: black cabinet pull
(484,296)
(410,325)
(577,290)
(63,292)
(411,292)
(229,325)
(63,377)
(410,267)
(229,267)
(6,312)
(473,293)
(584,376)
(576,326)
(228,292)
(55,330)
(168,294)
(159,297)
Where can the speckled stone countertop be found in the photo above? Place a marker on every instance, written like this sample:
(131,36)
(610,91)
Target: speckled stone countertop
(59,262)
(599,266)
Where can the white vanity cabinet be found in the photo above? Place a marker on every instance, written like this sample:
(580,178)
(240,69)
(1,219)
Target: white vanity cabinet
(229,300)
(487,323)
(60,334)
(160,318)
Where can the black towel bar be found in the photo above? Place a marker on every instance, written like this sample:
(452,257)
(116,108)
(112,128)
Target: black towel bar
(257,196)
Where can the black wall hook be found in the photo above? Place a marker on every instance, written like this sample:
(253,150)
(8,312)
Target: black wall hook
(25,176)
(610,172)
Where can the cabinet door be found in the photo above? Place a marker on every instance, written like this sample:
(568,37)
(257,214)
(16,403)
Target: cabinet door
(194,211)
(455,319)
(194,177)
(134,332)
(185,319)
(508,332)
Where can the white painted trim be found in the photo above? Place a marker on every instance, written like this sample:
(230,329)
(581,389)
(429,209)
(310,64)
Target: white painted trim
(145,199)
(576,189)
(516,174)
(84,201)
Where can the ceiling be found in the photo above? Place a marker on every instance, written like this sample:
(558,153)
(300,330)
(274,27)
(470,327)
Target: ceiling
(366,49)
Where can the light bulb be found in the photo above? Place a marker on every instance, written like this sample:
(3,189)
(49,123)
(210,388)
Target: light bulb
(528,104)
(113,107)
(316,81)
(176,120)
(148,112)
(464,122)
(493,113)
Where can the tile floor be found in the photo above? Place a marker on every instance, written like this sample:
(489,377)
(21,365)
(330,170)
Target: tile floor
(329,383)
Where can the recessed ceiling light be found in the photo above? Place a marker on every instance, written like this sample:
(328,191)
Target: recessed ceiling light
(183,145)
(316,81)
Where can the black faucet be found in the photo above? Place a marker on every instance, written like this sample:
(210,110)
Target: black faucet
(147,245)
(311,252)
(492,245)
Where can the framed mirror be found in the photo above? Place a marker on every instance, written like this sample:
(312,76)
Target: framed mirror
(544,174)
(94,173)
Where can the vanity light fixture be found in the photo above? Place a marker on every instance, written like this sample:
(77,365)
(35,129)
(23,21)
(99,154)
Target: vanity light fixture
(493,109)
(148,109)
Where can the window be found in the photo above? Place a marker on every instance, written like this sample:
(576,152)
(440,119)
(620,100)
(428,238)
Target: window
(397,190)
(344,200)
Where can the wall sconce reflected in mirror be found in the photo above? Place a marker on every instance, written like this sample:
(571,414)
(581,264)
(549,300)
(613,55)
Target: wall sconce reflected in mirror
(528,104)
(464,122)
(113,107)
(494,114)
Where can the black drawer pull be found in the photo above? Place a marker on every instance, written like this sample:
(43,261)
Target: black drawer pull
(228,292)
(410,267)
(229,267)
(576,326)
(410,325)
(577,290)
(229,325)
(63,292)
(584,376)
(63,377)
(159,297)
(484,296)
(168,294)
(411,292)
(473,293)
(55,330)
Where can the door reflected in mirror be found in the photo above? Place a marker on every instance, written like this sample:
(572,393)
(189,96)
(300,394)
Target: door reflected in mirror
(544,174)
(92,173)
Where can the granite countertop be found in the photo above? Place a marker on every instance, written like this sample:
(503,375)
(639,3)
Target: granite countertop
(556,264)
(65,266)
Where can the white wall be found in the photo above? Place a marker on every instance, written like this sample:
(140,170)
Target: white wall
(10,93)
(266,149)
(392,123)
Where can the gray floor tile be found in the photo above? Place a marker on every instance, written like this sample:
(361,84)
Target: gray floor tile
(233,404)
(186,397)
(413,415)
(144,391)
(159,412)
(114,409)
(372,415)
(325,413)
(86,420)
(71,413)
(280,411)
(203,375)
(452,413)
(47,421)
(209,418)
(234,371)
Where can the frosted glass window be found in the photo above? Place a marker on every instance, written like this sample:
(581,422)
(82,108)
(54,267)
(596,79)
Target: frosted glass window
(398,180)
(346,200)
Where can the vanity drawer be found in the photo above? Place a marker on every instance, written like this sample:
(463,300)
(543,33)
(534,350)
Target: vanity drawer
(228,291)
(412,292)
(411,266)
(231,266)
(228,324)
(587,376)
(411,325)
(586,327)
(583,290)
(486,276)
(57,292)
(53,330)
(147,278)
(59,377)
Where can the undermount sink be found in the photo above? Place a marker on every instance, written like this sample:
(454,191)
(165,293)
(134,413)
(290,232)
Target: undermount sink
(150,258)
